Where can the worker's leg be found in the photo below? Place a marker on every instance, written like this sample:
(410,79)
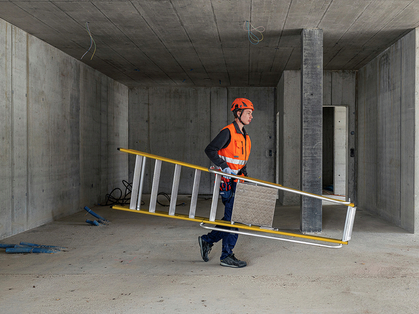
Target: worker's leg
(215,235)
(229,239)
(227,197)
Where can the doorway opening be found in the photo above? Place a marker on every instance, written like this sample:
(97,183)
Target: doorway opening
(335,152)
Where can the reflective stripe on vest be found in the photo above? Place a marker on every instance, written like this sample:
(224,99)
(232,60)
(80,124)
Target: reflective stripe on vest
(233,161)
(237,152)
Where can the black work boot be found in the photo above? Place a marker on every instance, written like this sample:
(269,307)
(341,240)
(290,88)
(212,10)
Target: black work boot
(205,249)
(232,261)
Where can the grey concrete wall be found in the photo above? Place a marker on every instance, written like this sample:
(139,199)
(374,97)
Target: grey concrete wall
(60,125)
(289,147)
(339,89)
(179,123)
(387,139)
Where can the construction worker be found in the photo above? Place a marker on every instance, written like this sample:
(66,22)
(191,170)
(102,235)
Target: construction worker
(230,151)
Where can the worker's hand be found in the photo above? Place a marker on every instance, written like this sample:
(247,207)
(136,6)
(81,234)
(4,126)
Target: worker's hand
(228,171)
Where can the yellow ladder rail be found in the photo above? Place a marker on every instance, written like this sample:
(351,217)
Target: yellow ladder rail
(203,220)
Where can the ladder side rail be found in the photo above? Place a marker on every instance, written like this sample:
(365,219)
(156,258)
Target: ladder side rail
(330,246)
(280,187)
(175,189)
(172,161)
(195,190)
(155,186)
(136,181)
(260,182)
(253,180)
(215,194)
(349,223)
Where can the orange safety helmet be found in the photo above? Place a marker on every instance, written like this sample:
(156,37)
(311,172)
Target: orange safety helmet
(241,104)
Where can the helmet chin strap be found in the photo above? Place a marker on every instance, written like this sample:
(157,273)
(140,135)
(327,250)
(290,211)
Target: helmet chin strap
(240,117)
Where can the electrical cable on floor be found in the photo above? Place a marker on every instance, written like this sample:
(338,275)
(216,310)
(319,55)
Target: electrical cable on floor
(125,198)
(121,198)
(112,200)
(168,198)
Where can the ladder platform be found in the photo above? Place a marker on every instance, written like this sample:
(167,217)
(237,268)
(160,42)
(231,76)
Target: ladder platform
(224,223)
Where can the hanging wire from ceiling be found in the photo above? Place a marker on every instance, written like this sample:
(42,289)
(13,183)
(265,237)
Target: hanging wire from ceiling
(254,34)
(92,41)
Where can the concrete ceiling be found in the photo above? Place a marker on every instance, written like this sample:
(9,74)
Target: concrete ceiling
(206,42)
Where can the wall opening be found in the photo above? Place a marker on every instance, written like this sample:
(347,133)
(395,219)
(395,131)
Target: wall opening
(335,151)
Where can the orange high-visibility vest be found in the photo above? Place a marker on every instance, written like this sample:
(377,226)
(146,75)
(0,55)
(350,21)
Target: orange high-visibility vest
(237,152)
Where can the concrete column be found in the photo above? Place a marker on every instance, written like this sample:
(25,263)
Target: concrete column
(311,128)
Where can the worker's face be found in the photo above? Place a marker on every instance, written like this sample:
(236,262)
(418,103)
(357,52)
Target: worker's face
(247,116)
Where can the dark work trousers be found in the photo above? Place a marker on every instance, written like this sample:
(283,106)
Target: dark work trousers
(229,239)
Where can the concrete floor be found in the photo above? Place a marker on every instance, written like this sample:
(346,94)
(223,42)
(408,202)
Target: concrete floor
(146,264)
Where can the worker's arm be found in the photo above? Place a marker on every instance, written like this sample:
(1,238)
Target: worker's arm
(219,142)
(243,171)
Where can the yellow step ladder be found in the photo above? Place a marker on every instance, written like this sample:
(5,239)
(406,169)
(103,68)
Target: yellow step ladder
(208,223)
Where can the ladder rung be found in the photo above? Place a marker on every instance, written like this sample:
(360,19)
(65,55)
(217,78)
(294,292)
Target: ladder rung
(140,188)
(155,186)
(175,190)
(349,223)
(215,194)
(195,189)
(136,181)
